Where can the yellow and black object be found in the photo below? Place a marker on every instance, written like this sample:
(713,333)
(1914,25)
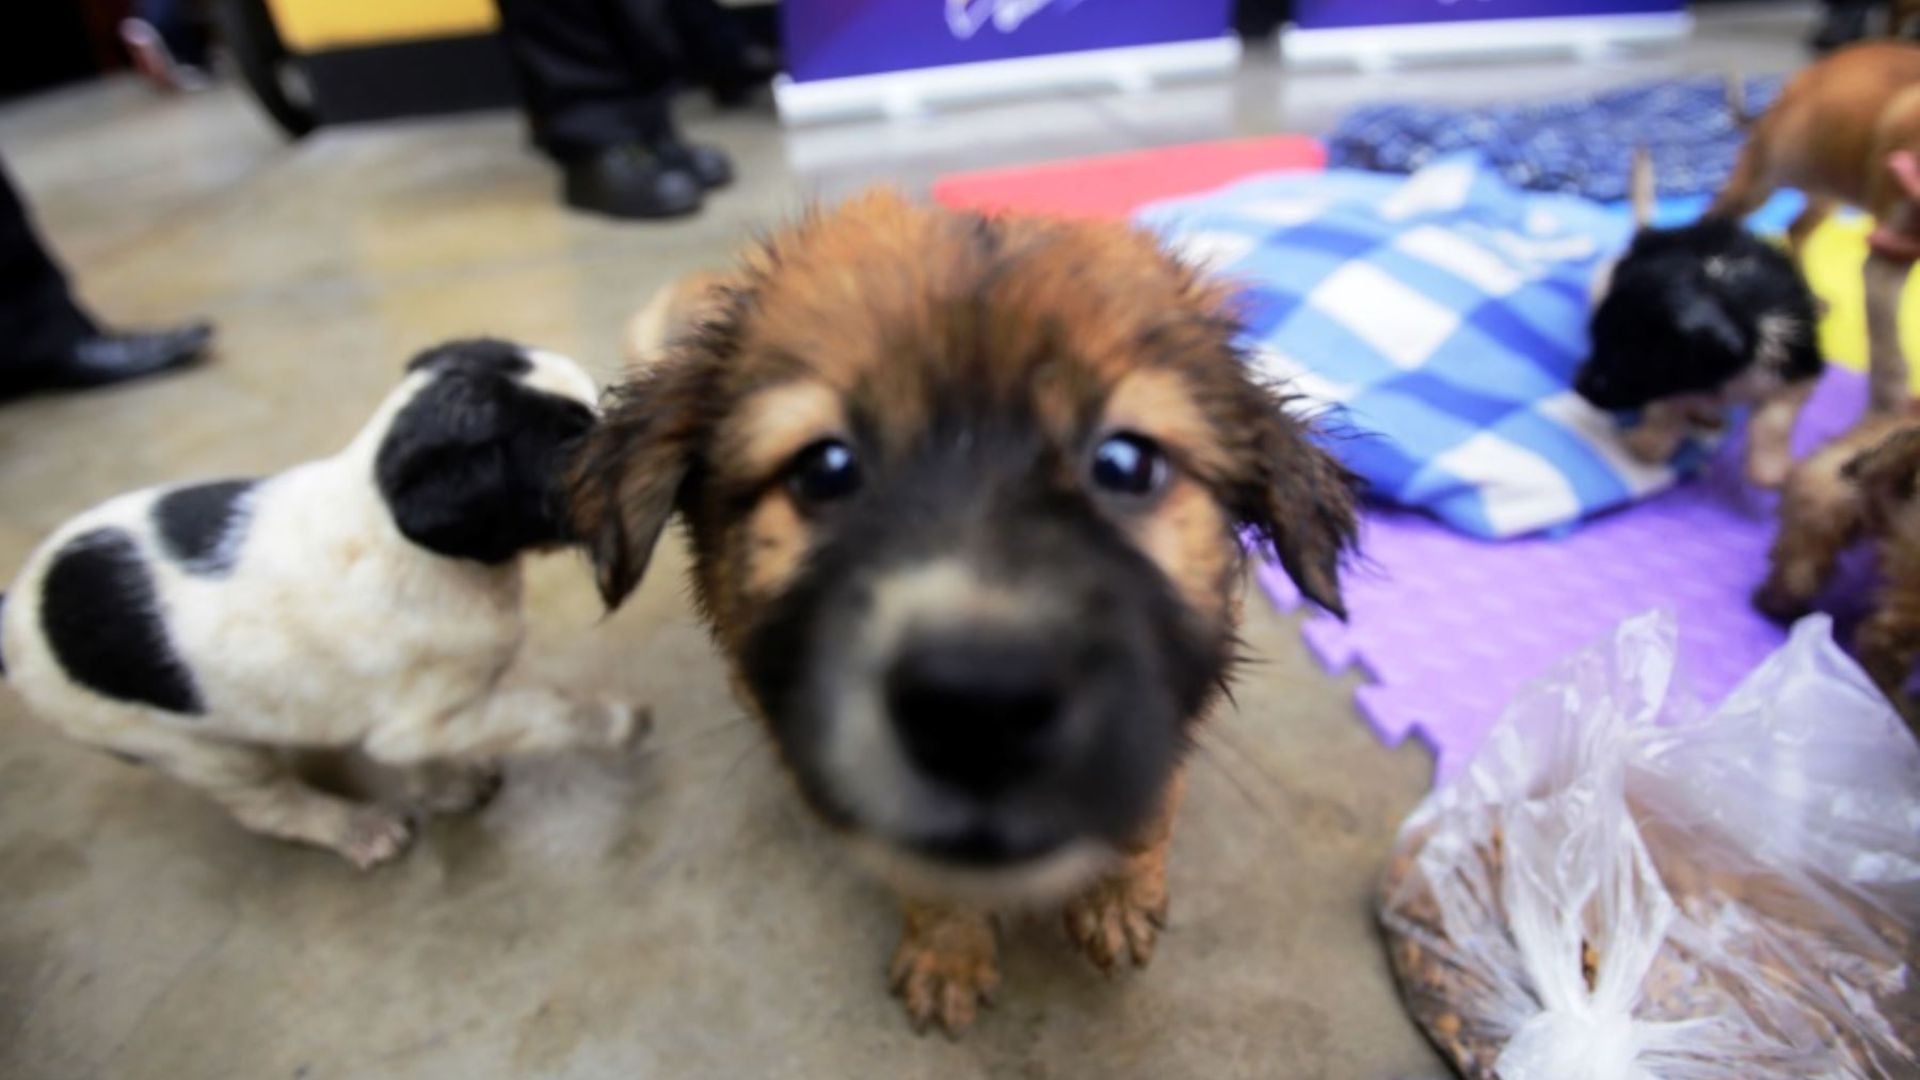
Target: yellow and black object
(314,62)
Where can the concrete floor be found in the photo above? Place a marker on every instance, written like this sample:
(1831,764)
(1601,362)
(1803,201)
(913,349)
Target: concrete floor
(672,914)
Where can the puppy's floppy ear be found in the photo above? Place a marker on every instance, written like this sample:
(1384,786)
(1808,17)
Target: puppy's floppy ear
(630,473)
(1294,496)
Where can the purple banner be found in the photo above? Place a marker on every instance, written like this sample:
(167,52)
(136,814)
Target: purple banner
(1332,14)
(832,39)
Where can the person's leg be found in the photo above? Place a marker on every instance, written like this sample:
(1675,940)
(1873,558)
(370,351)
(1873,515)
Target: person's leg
(39,317)
(1257,20)
(597,101)
(582,93)
(717,52)
(653,40)
(46,338)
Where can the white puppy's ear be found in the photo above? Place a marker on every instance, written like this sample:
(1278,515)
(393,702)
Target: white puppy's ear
(470,467)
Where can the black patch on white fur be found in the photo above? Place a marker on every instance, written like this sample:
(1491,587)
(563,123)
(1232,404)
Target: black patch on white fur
(102,618)
(201,526)
(471,467)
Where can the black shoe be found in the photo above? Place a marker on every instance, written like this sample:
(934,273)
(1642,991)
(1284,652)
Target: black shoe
(112,358)
(738,84)
(631,182)
(709,165)
(1842,23)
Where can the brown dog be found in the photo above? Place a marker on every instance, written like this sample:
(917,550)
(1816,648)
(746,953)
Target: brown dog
(1846,130)
(965,497)
(1859,487)
(1901,17)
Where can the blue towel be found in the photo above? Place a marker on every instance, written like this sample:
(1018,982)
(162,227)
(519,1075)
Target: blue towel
(1441,317)
(1582,146)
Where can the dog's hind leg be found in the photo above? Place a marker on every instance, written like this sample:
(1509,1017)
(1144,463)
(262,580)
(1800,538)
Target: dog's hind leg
(263,796)
(1895,244)
(524,720)
(1887,373)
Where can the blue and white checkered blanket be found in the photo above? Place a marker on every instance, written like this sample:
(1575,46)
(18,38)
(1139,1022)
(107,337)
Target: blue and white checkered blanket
(1442,317)
(1582,146)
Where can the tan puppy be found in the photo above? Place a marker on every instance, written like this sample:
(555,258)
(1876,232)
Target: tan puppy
(965,497)
(1846,130)
(1860,487)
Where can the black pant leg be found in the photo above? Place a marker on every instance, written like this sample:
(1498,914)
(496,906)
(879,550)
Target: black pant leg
(591,72)
(1254,19)
(40,320)
(713,43)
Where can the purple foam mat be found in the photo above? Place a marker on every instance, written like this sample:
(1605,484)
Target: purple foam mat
(1450,628)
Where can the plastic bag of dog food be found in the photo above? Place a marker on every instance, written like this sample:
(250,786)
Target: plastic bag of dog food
(1625,886)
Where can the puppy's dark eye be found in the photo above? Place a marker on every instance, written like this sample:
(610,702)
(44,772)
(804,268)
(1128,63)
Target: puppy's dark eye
(823,472)
(1130,465)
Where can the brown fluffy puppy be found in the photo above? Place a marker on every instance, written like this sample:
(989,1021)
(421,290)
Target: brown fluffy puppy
(1860,487)
(965,498)
(1845,130)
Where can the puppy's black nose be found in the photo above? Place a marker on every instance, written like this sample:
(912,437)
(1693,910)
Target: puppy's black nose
(979,714)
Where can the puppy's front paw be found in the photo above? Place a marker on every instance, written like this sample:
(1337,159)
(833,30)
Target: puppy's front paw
(946,967)
(1120,918)
(373,836)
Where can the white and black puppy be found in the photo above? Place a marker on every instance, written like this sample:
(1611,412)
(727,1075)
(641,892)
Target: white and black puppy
(369,599)
(1694,321)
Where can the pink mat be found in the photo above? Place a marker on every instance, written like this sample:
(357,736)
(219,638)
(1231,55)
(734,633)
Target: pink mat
(1116,185)
(1450,628)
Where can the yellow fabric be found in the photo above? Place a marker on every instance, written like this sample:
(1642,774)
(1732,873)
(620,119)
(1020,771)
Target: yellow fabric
(1834,260)
(313,25)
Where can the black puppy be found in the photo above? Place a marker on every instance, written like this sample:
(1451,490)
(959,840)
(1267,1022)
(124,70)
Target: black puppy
(1697,319)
